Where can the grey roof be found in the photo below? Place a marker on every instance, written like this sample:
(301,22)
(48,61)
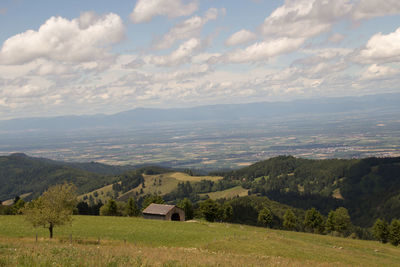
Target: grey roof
(159,209)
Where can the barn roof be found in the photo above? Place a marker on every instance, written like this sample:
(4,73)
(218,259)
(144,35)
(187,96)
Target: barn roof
(159,209)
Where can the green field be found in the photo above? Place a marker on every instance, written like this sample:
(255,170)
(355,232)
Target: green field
(169,182)
(228,193)
(161,243)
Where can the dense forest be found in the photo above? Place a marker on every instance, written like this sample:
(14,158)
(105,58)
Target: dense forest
(20,174)
(369,188)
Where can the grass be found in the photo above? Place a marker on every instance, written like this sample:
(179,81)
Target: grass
(228,193)
(169,181)
(161,243)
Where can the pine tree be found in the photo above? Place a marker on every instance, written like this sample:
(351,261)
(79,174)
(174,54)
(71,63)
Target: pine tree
(314,222)
(394,232)
(289,220)
(132,209)
(265,217)
(381,230)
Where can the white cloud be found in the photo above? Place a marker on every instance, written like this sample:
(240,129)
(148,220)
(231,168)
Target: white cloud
(186,29)
(241,37)
(379,72)
(145,10)
(79,40)
(264,50)
(366,9)
(381,49)
(304,18)
(181,55)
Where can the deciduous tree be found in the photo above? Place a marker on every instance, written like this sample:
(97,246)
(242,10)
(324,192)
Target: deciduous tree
(53,208)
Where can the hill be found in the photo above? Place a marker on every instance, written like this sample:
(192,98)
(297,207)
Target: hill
(369,188)
(139,242)
(20,174)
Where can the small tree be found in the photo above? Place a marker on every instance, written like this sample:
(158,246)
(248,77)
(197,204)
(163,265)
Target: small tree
(394,232)
(209,210)
(226,212)
(314,222)
(53,208)
(330,222)
(342,221)
(289,220)
(381,230)
(132,209)
(109,209)
(265,217)
(187,206)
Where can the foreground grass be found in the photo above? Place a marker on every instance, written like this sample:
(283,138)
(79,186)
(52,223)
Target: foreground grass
(139,242)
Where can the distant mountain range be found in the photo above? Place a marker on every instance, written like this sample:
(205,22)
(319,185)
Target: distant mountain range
(370,104)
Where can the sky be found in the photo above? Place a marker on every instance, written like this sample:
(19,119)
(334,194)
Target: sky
(99,56)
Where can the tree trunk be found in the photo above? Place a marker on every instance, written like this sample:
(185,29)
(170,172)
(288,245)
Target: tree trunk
(51,230)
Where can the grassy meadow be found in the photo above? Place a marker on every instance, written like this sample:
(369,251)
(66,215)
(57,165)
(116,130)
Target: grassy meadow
(228,193)
(137,242)
(159,184)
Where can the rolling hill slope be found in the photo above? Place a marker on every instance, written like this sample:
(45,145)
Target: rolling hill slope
(20,174)
(140,242)
(369,188)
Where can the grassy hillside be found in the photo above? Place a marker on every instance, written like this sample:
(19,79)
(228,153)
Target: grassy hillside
(160,243)
(228,193)
(159,184)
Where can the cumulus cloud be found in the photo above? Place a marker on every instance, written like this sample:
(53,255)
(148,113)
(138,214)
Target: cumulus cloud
(186,29)
(304,18)
(79,40)
(379,72)
(381,48)
(264,50)
(145,10)
(241,37)
(366,9)
(181,55)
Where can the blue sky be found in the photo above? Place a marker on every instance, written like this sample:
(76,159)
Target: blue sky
(97,56)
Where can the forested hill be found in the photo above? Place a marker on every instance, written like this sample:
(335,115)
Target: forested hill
(369,188)
(20,174)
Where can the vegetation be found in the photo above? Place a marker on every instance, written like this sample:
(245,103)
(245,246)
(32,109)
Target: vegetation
(368,188)
(53,208)
(20,174)
(265,217)
(160,243)
(289,220)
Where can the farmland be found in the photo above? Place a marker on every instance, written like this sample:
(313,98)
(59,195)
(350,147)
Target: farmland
(197,243)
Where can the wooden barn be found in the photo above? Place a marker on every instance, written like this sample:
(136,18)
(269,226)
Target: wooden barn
(164,212)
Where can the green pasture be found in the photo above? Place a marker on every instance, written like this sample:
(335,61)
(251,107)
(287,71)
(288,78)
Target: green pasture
(228,193)
(294,248)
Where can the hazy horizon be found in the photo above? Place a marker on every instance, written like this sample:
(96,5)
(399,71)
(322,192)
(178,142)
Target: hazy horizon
(91,57)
